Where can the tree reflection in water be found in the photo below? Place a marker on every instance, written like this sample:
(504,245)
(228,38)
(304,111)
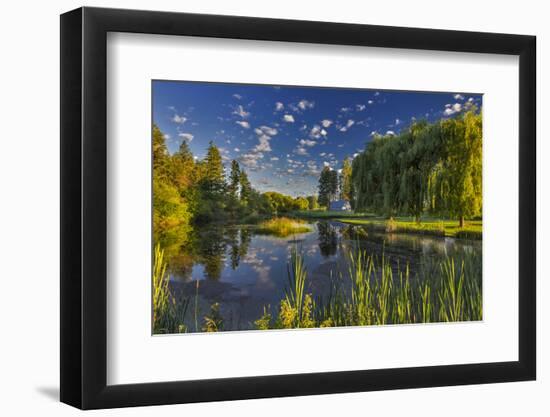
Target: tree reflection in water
(238,241)
(328,239)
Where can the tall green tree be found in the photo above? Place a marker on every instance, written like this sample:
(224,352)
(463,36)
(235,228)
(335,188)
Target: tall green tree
(246,187)
(459,179)
(345,181)
(161,157)
(324,187)
(333,185)
(183,166)
(234,179)
(214,176)
(433,168)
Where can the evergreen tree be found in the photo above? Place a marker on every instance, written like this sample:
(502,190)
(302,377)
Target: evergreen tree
(234,179)
(324,187)
(183,166)
(161,157)
(246,188)
(214,176)
(333,185)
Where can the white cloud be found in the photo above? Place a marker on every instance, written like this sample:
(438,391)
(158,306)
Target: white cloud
(243,124)
(315,131)
(345,109)
(322,154)
(179,119)
(237,96)
(274,158)
(451,109)
(326,164)
(186,136)
(471,100)
(266,130)
(240,111)
(370,102)
(348,124)
(307,142)
(377,94)
(397,122)
(167,136)
(458,97)
(305,104)
(264,136)
(360,107)
(326,123)
(312,168)
(300,150)
(288,118)
(390,133)
(279,106)
(263,145)
(236,149)
(250,160)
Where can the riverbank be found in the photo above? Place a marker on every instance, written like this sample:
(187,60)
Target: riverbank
(428,226)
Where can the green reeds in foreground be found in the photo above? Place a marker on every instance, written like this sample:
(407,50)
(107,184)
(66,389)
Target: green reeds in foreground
(444,290)
(168,315)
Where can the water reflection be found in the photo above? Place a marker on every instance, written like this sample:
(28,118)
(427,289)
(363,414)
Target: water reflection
(328,240)
(244,271)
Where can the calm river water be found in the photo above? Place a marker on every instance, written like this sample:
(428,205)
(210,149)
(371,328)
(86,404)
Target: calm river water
(246,272)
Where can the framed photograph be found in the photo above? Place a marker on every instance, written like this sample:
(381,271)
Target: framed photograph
(257,208)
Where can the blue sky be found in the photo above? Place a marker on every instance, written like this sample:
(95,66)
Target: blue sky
(283,136)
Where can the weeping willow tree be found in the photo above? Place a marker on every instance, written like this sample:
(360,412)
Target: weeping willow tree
(428,168)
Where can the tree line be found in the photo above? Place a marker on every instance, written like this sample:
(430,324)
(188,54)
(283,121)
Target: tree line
(430,168)
(188,191)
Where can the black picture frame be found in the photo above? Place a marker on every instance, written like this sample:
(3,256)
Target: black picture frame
(84,207)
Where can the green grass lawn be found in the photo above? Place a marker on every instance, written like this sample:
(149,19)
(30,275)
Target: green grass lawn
(430,226)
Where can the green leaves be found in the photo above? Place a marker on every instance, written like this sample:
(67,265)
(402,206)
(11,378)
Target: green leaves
(429,168)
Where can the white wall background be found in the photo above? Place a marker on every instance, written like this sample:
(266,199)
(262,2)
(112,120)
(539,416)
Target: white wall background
(29,225)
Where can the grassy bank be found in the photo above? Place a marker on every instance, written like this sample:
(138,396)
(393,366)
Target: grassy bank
(428,226)
(282,227)
(434,227)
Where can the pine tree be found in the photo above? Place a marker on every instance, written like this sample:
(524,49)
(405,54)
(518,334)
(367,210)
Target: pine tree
(324,187)
(183,167)
(333,185)
(234,180)
(246,188)
(214,176)
(161,157)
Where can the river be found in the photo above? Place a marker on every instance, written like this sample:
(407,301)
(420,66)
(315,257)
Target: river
(245,272)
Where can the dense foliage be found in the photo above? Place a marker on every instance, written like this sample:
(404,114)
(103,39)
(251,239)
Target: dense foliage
(428,168)
(188,192)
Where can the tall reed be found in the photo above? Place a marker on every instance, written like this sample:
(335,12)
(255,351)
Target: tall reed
(168,313)
(294,294)
(380,292)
